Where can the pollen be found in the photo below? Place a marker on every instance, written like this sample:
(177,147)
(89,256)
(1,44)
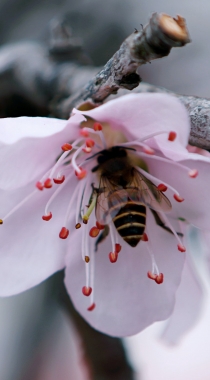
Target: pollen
(47,217)
(66,147)
(94,231)
(193,173)
(178,198)
(118,247)
(91,307)
(181,248)
(48,183)
(39,185)
(162,187)
(113,256)
(81,174)
(159,279)
(100,226)
(64,233)
(172,136)
(59,180)
(87,290)
(97,127)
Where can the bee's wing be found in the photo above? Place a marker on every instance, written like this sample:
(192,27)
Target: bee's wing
(145,191)
(109,201)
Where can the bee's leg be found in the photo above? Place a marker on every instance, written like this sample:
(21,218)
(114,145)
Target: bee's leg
(104,233)
(162,224)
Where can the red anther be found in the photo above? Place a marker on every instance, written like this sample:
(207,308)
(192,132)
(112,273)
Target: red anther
(78,225)
(118,248)
(100,226)
(193,173)
(83,132)
(91,307)
(151,275)
(113,256)
(64,233)
(181,248)
(94,231)
(162,187)
(159,278)
(90,143)
(48,183)
(81,174)
(87,259)
(59,180)
(145,237)
(148,150)
(172,136)
(65,147)
(97,127)
(47,217)
(39,185)
(178,198)
(87,290)
(87,149)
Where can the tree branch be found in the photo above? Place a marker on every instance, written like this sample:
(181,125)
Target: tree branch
(155,40)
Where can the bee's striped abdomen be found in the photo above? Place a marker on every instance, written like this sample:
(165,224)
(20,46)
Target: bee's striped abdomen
(130,221)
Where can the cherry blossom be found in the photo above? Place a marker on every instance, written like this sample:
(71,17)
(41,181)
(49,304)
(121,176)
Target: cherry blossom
(49,192)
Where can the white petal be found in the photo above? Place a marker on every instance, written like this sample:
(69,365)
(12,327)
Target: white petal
(126,300)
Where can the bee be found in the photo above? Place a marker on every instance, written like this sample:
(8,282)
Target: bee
(124,195)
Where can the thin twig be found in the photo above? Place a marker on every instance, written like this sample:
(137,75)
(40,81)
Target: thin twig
(155,40)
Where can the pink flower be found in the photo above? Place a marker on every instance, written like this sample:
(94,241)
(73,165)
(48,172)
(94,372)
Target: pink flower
(118,288)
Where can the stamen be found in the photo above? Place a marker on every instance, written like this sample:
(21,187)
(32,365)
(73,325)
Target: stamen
(177,197)
(79,171)
(64,233)
(79,200)
(113,256)
(118,247)
(77,226)
(86,291)
(47,217)
(48,183)
(144,237)
(97,126)
(59,180)
(100,226)
(91,207)
(20,204)
(66,147)
(180,246)
(91,307)
(97,130)
(94,231)
(162,187)
(172,136)
(54,195)
(191,172)
(87,259)
(39,185)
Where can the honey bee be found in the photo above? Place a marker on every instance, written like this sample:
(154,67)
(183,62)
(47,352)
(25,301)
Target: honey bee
(124,195)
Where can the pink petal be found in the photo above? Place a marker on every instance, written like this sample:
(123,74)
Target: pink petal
(30,145)
(188,304)
(138,115)
(126,300)
(195,191)
(31,249)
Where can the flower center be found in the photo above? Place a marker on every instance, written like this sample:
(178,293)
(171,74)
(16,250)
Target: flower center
(113,181)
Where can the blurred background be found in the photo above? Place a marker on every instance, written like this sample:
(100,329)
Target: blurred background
(31,323)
